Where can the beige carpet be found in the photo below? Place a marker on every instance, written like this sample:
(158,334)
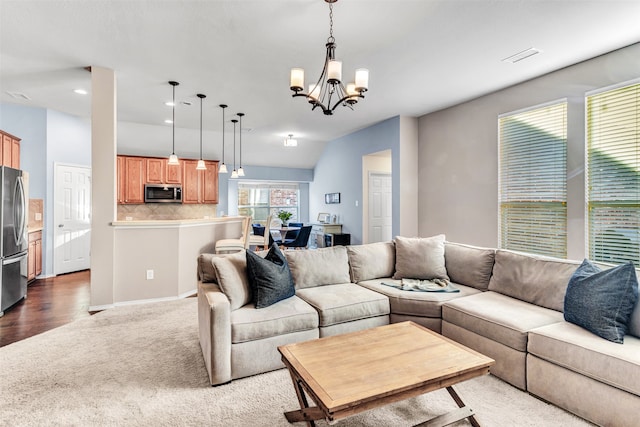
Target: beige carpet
(142,366)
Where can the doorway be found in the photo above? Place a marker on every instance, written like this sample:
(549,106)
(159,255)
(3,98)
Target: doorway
(72,218)
(377,203)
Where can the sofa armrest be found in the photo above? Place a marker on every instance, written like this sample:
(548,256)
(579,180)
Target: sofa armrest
(214,325)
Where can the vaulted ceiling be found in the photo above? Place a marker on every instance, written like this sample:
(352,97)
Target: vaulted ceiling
(423,55)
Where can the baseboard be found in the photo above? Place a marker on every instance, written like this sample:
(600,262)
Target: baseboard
(142,301)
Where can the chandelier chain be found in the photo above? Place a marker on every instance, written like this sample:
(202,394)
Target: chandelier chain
(331,39)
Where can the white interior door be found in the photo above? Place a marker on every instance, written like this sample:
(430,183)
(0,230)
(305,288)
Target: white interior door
(72,218)
(380,212)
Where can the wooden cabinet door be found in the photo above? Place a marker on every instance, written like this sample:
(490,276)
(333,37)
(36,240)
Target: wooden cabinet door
(31,261)
(154,170)
(121,179)
(38,260)
(7,145)
(210,182)
(191,182)
(134,180)
(173,173)
(15,153)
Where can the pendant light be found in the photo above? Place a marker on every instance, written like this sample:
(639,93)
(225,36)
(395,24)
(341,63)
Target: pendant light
(201,166)
(234,173)
(223,166)
(173,159)
(240,170)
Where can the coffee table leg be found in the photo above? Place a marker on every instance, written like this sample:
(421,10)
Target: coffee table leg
(460,403)
(462,412)
(305,413)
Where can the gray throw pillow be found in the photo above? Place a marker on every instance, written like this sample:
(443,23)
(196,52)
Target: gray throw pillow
(420,258)
(602,301)
(269,277)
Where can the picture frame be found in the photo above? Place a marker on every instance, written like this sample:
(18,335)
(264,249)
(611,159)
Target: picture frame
(324,218)
(332,198)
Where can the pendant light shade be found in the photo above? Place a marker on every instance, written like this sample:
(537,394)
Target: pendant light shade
(240,169)
(201,166)
(234,173)
(223,166)
(173,159)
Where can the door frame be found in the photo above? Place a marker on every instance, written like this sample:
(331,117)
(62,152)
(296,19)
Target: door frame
(56,220)
(368,201)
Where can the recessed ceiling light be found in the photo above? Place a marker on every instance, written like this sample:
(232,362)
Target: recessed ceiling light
(169,104)
(80,91)
(522,55)
(168,121)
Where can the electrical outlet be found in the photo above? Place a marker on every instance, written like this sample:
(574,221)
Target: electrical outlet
(38,216)
(149,274)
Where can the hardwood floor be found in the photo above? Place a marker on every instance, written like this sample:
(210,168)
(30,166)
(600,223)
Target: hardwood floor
(50,303)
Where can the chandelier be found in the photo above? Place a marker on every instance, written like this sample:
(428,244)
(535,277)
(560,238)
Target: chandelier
(329,92)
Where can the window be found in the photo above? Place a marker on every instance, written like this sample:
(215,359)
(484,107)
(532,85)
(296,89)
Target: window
(259,200)
(613,175)
(533,191)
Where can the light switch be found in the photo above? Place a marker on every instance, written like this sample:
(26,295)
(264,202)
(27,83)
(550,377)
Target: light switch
(38,216)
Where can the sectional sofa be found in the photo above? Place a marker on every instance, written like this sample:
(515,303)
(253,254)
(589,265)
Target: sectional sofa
(509,306)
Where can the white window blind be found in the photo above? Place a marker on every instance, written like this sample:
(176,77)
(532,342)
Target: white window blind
(533,190)
(260,199)
(613,175)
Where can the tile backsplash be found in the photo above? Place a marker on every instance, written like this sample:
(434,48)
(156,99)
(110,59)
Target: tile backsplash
(36,213)
(165,211)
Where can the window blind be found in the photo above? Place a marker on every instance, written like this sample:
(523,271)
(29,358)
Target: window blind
(613,175)
(533,191)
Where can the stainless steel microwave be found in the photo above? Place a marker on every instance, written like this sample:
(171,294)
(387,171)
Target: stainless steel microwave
(163,193)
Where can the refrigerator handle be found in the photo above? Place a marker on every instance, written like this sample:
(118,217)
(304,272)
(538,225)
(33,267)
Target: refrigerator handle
(13,260)
(19,211)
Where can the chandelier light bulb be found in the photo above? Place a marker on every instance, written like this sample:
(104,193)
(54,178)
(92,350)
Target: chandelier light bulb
(362,80)
(297,79)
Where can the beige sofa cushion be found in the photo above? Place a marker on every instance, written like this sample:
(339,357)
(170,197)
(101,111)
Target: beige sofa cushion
(344,303)
(498,317)
(420,258)
(325,266)
(577,349)
(634,322)
(206,270)
(372,261)
(231,274)
(410,303)
(469,265)
(539,280)
(284,317)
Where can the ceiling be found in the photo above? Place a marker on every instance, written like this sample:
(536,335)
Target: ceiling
(423,56)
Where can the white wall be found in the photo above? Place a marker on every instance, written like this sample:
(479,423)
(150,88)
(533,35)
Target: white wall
(458,151)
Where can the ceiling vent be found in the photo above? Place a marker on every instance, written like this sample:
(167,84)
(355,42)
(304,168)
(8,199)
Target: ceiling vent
(19,95)
(522,55)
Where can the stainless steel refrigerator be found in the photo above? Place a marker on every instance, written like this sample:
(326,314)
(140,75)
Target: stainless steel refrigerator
(13,234)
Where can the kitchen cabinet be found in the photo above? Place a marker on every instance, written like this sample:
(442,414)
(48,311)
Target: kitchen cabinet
(131,178)
(154,170)
(10,150)
(200,186)
(197,186)
(34,255)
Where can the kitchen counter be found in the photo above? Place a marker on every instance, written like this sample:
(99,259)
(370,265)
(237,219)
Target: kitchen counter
(175,222)
(157,259)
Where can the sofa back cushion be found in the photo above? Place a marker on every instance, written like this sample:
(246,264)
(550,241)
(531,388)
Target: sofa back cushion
(469,265)
(371,261)
(539,280)
(206,271)
(231,275)
(325,266)
(420,258)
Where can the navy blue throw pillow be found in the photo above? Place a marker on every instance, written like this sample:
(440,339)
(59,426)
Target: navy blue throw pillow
(602,301)
(269,277)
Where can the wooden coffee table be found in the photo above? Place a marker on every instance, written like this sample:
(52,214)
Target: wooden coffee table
(350,373)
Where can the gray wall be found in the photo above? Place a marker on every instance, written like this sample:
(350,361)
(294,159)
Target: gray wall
(458,151)
(339,170)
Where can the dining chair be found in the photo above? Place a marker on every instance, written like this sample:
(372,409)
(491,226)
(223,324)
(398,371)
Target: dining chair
(292,234)
(301,240)
(235,245)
